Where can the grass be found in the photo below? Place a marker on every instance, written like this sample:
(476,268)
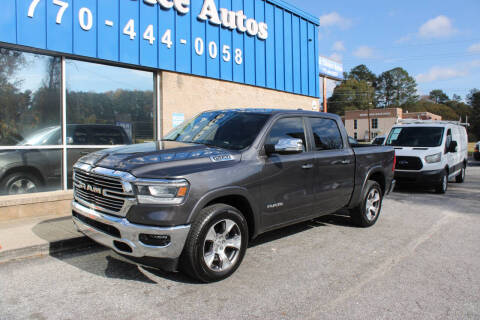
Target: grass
(471,147)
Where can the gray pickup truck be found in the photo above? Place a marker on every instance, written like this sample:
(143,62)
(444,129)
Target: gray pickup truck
(194,200)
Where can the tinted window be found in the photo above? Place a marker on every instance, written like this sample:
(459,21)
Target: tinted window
(326,134)
(225,129)
(107,136)
(287,128)
(421,137)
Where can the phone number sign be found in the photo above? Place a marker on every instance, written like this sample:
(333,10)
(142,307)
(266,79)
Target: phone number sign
(247,41)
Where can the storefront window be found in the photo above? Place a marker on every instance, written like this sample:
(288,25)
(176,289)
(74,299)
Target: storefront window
(30,116)
(106,106)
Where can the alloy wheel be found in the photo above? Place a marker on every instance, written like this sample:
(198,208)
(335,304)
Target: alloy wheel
(221,248)
(372,204)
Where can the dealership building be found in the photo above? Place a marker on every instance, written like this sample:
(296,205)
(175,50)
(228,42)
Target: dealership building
(82,75)
(365,125)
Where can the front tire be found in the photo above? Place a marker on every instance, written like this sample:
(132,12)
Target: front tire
(21,183)
(368,211)
(460,178)
(216,244)
(442,187)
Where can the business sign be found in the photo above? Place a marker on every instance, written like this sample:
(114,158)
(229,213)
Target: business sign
(177,119)
(330,68)
(267,44)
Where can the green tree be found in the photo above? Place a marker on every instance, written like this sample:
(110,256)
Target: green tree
(456,98)
(438,96)
(396,87)
(362,73)
(474,99)
(351,95)
(427,106)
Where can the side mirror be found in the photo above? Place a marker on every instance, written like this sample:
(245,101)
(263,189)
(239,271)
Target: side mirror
(286,146)
(453,147)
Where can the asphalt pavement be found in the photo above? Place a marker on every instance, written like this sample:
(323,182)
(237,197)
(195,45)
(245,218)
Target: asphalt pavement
(420,261)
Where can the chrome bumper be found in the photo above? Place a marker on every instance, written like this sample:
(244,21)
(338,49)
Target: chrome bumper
(129,235)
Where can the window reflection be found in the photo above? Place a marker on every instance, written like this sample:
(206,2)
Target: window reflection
(29,96)
(30,113)
(29,171)
(119,99)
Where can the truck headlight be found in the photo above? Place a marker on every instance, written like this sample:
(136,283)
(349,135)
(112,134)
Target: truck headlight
(434,158)
(162,191)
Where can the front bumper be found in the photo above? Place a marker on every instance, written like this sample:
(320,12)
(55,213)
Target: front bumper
(421,178)
(124,237)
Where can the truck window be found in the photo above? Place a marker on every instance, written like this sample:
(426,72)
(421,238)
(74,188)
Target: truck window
(287,128)
(326,134)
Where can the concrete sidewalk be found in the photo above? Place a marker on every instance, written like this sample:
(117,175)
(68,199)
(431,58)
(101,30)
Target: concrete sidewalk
(29,237)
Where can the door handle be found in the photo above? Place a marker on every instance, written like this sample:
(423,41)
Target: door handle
(346,162)
(307,166)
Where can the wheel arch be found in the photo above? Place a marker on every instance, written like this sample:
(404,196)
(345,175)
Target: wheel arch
(236,197)
(26,169)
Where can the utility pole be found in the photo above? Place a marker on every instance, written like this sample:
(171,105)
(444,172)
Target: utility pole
(325,94)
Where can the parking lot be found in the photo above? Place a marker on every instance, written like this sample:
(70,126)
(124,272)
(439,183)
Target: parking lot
(421,260)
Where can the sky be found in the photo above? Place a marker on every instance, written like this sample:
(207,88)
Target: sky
(437,42)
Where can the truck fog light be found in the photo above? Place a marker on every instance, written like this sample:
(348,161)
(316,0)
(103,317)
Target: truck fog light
(155,240)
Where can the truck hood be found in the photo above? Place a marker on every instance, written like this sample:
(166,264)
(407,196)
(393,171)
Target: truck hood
(162,159)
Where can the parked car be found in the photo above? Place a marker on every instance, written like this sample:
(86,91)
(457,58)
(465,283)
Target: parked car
(33,170)
(379,140)
(476,152)
(218,181)
(429,153)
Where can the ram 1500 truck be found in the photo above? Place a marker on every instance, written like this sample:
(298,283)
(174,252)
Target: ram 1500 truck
(194,200)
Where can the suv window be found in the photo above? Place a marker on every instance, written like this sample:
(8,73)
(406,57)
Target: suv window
(107,136)
(287,128)
(326,134)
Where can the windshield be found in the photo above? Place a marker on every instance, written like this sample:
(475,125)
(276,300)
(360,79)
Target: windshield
(225,129)
(420,137)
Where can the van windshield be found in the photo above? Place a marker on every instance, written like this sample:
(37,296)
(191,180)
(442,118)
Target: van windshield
(416,137)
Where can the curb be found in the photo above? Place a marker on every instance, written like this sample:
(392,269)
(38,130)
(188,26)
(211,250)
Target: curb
(52,249)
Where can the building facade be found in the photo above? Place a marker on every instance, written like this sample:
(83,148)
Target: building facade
(364,125)
(82,75)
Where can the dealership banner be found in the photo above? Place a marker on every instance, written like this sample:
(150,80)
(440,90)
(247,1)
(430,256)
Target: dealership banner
(263,43)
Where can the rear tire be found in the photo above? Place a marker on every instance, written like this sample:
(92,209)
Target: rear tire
(460,178)
(216,244)
(367,212)
(442,187)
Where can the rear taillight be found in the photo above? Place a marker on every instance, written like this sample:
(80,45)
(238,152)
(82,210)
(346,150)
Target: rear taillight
(394,162)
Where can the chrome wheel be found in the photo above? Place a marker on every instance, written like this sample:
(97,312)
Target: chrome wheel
(444,183)
(221,248)
(22,186)
(372,204)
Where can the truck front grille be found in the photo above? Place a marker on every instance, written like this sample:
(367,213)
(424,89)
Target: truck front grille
(99,192)
(409,163)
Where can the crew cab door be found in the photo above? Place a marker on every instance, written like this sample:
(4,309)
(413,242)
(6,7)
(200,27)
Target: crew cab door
(287,179)
(334,166)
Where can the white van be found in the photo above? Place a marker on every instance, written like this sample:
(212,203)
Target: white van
(429,153)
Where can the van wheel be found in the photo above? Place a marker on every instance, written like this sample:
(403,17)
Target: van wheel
(442,187)
(460,178)
(367,213)
(20,183)
(216,244)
